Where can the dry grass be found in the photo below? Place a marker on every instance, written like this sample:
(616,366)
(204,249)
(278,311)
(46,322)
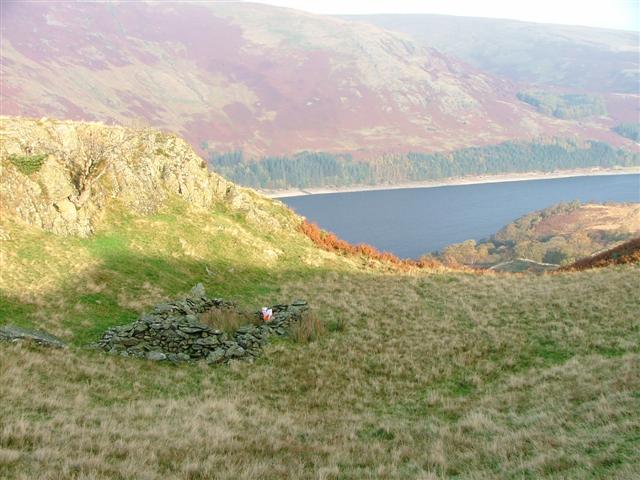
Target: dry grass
(419,375)
(462,376)
(308,329)
(228,319)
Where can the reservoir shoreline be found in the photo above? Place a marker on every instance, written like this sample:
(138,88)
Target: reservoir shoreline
(455,181)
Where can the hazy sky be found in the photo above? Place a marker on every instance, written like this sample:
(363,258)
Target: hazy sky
(619,14)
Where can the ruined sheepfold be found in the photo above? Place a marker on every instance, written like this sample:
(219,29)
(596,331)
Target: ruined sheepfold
(172,331)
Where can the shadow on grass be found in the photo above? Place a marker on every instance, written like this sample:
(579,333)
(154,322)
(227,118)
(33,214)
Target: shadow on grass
(92,302)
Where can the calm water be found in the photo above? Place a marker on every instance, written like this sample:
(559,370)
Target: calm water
(414,221)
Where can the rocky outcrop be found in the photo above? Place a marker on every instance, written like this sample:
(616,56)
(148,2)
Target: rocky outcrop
(172,331)
(12,333)
(60,175)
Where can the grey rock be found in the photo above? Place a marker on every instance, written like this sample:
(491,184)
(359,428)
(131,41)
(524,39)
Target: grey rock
(216,356)
(197,291)
(192,329)
(156,356)
(140,327)
(130,342)
(246,329)
(207,341)
(235,351)
(12,333)
(163,308)
(172,332)
(184,307)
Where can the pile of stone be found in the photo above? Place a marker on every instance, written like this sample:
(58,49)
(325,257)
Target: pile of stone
(172,331)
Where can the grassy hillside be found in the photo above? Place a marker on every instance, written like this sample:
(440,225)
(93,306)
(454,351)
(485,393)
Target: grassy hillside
(560,234)
(432,376)
(153,221)
(422,374)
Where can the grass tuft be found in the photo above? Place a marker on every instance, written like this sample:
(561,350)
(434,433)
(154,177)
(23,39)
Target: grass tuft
(308,329)
(228,319)
(28,164)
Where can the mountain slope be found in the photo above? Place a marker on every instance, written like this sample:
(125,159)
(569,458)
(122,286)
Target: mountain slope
(149,222)
(577,58)
(259,79)
(422,374)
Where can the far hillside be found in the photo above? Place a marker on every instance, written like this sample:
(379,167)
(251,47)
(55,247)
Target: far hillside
(311,100)
(587,58)
(573,106)
(546,239)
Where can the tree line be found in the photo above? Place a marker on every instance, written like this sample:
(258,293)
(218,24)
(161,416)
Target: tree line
(320,169)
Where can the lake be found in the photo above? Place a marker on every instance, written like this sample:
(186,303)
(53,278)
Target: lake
(411,222)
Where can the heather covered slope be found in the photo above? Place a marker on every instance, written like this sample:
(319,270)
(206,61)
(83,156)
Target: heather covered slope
(421,375)
(628,252)
(557,235)
(264,80)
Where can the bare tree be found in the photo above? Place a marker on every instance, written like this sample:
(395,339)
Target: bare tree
(30,144)
(90,159)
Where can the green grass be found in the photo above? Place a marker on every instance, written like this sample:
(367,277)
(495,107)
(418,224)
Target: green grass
(28,164)
(441,375)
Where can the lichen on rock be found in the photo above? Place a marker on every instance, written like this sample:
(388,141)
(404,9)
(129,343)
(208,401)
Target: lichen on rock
(87,166)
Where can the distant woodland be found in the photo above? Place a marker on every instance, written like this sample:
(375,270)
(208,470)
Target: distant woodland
(629,130)
(318,169)
(567,106)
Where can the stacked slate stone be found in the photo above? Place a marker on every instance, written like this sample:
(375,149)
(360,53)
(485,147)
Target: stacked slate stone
(172,331)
